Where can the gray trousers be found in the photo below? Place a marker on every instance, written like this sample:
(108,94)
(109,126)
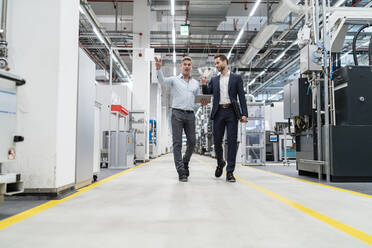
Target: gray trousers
(182,121)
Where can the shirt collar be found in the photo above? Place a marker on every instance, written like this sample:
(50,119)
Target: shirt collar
(227,74)
(181,76)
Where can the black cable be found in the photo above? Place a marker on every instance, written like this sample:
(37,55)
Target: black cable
(333,59)
(354,43)
(370,51)
(338,60)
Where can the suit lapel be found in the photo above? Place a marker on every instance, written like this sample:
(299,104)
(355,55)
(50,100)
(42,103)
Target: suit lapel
(218,88)
(229,85)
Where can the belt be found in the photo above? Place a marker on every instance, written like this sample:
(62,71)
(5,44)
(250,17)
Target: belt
(185,111)
(228,105)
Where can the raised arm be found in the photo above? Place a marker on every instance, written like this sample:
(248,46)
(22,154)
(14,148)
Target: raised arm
(162,80)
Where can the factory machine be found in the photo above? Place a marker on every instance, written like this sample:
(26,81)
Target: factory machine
(204,136)
(330,104)
(10,183)
(153,139)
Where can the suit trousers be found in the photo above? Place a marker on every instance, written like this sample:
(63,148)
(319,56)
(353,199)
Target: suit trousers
(182,121)
(225,118)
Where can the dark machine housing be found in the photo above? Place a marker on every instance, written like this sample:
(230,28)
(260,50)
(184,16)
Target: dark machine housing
(350,137)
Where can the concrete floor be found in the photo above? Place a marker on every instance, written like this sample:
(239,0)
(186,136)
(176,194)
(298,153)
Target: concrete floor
(364,187)
(16,204)
(149,207)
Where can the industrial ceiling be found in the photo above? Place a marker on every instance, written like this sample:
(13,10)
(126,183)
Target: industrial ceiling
(270,34)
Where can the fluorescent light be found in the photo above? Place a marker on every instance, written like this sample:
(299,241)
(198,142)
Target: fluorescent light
(82,10)
(100,37)
(343,56)
(279,58)
(252,82)
(239,35)
(115,59)
(228,56)
(245,24)
(339,3)
(173,35)
(174,71)
(172,7)
(277,94)
(129,78)
(255,7)
(237,38)
(261,74)
(123,71)
(174,56)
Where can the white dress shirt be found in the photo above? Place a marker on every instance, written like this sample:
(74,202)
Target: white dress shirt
(224,88)
(183,93)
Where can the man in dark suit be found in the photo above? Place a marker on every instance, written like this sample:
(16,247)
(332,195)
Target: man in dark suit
(226,88)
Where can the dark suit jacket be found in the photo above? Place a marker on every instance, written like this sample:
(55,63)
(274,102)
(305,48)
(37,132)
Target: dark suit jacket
(235,89)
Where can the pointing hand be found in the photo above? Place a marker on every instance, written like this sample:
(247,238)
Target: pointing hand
(158,63)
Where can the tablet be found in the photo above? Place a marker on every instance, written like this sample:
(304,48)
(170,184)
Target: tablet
(198,98)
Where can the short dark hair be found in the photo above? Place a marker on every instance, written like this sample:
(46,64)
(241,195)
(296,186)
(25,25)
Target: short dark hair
(186,58)
(222,57)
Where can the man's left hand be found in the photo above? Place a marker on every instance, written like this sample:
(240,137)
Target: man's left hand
(243,119)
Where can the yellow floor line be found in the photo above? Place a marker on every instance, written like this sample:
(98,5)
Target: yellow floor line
(31,212)
(362,236)
(314,183)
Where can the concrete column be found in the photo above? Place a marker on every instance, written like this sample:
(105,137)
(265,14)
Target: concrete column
(165,126)
(141,67)
(164,129)
(156,112)
(43,48)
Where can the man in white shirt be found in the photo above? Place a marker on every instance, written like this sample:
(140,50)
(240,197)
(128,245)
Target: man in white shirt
(184,89)
(226,89)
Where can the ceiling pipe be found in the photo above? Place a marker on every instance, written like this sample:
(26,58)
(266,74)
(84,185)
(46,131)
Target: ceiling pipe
(279,39)
(89,14)
(297,56)
(3,19)
(278,16)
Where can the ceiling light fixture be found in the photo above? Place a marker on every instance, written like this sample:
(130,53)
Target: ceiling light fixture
(277,94)
(262,73)
(279,58)
(339,3)
(172,7)
(245,24)
(252,82)
(255,7)
(100,37)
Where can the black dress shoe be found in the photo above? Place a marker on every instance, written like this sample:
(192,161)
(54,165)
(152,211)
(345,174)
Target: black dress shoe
(182,178)
(186,167)
(219,169)
(230,177)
